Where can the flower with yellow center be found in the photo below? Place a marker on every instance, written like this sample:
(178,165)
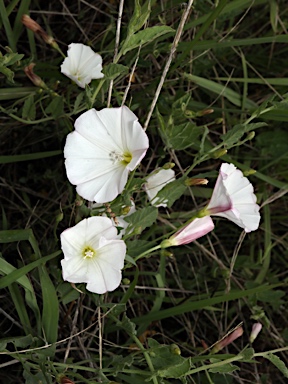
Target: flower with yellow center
(93,254)
(82,64)
(104,147)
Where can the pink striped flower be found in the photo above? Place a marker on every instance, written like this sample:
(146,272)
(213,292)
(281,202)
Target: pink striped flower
(197,228)
(233,198)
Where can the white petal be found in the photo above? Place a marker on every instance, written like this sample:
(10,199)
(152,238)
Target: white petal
(233,187)
(82,64)
(105,270)
(94,152)
(156,181)
(102,272)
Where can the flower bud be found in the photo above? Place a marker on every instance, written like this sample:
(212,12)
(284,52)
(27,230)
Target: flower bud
(227,340)
(256,328)
(197,228)
(205,112)
(31,24)
(195,181)
(250,135)
(36,80)
(175,350)
(219,153)
(38,30)
(168,165)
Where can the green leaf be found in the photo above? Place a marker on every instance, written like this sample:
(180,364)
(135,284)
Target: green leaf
(183,135)
(165,362)
(67,293)
(278,363)
(136,247)
(30,296)
(55,108)
(247,354)
(227,368)
(144,37)
(127,325)
(19,341)
(172,192)
(77,103)
(112,71)
(11,58)
(50,313)
(191,305)
(17,273)
(142,218)
(235,134)
(29,110)
(7,72)
(140,16)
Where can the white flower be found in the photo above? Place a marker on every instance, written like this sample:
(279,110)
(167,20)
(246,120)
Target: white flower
(93,254)
(82,64)
(197,228)
(234,199)
(155,182)
(104,147)
(122,223)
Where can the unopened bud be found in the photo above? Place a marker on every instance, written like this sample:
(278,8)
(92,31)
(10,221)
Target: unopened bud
(36,80)
(219,153)
(38,30)
(175,350)
(195,181)
(190,114)
(166,253)
(219,120)
(227,340)
(256,328)
(250,135)
(168,166)
(64,380)
(31,24)
(249,172)
(125,210)
(205,112)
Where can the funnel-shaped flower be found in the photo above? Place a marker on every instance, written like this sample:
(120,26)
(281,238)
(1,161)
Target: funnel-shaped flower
(155,182)
(104,147)
(197,228)
(234,199)
(82,64)
(93,254)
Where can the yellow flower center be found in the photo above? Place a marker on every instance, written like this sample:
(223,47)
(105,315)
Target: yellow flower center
(123,158)
(88,253)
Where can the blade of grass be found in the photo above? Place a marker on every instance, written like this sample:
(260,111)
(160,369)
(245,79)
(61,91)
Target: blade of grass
(7,26)
(30,296)
(197,305)
(23,9)
(15,275)
(20,308)
(220,90)
(10,7)
(26,157)
(50,312)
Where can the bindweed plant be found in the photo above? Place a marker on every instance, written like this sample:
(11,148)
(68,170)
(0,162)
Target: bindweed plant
(135,248)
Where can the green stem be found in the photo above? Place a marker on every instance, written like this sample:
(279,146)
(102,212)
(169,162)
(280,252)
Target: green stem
(147,357)
(147,252)
(215,365)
